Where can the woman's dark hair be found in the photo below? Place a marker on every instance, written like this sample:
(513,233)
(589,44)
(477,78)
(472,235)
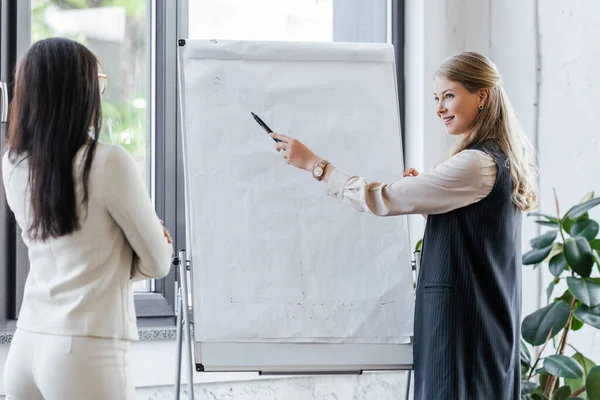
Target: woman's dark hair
(56,101)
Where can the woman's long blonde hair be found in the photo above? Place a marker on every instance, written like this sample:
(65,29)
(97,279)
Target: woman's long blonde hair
(497,122)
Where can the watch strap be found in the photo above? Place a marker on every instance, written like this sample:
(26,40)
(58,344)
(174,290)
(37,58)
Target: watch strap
(322,164)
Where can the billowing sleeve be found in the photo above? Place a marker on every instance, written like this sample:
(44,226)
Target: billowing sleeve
(130,206)
(464,179)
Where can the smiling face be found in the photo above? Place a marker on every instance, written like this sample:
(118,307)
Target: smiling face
(456,106)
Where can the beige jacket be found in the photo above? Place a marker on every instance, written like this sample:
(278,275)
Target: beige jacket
(81,284)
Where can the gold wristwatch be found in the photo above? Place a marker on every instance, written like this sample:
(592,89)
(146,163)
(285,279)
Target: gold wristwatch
(319,170)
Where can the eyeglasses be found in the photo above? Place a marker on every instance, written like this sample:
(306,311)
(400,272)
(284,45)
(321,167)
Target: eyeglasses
(102,82)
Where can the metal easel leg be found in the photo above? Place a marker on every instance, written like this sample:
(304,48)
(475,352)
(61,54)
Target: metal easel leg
(407,393)
(187,333)
(183,328)
(179,343)
(415,265)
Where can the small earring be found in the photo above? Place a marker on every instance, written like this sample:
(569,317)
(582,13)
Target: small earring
(481,107)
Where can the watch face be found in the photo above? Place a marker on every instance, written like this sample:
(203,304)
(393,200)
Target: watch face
(318,171)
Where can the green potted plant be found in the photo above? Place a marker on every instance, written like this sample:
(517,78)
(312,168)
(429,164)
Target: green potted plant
(569,248)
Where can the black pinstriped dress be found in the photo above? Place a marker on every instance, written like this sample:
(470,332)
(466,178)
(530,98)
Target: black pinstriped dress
(467,316)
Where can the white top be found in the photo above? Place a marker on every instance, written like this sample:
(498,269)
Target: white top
(81,284)
(464,179)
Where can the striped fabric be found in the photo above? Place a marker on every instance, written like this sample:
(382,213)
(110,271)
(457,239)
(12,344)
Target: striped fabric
(467,316)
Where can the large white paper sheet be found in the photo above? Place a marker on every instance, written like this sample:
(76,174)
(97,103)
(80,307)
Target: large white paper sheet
(274,257)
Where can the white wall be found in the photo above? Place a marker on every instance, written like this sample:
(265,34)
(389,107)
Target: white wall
(569,119)
(3,354)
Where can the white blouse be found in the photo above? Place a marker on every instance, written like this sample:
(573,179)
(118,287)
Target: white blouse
(464,179)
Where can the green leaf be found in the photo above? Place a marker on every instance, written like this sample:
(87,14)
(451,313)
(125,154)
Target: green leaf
(566,297)
(579,256)
(592,384)
(535,256)
(580,209)
(525,355)
(419,245)
(544,240)
(589,315)
(595,244)
(568,223)
(587,197)
(576,324)
(562,393)
(585,362)
(547,223)
(557,248)
(549,290)
(586,290)
(525,358)
(587,365)
(548,217)
(528,387)
(563,366)
(558,264)
(537,396)
(587,228)
(535,327)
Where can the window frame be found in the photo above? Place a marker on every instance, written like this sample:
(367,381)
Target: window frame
(8,43)
(373,12)
(157,308)
(398,17)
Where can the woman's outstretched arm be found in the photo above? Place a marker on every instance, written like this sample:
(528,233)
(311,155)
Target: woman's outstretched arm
(462,180)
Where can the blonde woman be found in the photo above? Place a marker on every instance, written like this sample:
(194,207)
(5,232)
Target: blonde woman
(467,318)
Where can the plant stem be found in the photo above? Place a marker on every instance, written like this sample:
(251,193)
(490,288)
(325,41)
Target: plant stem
(532,370)
(573,347)
(561,348)
(578,391)
(556,204)
(560,229)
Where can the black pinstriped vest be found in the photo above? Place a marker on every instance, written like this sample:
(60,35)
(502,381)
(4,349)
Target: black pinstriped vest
(468,306)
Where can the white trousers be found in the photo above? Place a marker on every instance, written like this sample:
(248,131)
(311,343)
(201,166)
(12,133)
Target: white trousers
(53,367)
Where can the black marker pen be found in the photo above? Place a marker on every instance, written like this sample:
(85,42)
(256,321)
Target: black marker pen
(264,126)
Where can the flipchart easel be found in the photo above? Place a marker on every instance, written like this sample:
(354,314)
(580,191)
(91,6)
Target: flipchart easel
(185,341)
(184,324)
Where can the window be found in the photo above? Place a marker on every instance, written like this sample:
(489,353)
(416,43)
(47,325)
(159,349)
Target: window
(290,20)
(126,38)
(118,35)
